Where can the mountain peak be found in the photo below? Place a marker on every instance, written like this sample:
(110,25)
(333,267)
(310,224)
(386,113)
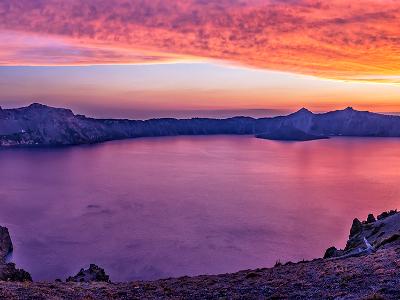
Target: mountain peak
(40,108)
(348,110)
(38,105)
(302,111)
(345,111)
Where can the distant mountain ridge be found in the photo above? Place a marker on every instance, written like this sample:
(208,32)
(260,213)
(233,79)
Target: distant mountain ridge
(38,124)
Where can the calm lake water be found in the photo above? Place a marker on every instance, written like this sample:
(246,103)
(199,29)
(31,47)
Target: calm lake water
(160,207)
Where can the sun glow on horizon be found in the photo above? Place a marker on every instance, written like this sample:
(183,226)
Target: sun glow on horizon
(103,56)
(126,90)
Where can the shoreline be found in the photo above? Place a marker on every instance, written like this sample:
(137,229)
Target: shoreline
(355,272)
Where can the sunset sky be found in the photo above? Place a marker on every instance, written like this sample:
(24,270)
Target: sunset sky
(151,58)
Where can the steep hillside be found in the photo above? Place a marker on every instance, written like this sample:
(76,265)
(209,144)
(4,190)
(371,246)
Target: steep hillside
(38,124)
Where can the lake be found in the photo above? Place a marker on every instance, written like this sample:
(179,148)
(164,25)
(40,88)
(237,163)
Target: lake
(159,207)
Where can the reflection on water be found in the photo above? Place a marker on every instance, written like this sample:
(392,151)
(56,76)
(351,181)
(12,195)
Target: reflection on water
(161,207)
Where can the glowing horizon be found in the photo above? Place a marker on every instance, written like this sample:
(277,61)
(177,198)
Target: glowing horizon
(242,54)
(125,91)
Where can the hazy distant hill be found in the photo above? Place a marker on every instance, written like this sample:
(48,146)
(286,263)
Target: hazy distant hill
(39,124)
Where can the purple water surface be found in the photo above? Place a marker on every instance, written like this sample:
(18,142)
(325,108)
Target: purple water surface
(160,207)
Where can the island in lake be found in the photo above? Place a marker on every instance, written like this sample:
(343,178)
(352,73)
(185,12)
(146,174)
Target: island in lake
(41,125)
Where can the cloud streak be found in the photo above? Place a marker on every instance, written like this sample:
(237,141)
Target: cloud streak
(335,39)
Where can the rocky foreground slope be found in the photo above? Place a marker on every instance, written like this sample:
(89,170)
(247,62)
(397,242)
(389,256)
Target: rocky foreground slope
(39,124)
(367,268)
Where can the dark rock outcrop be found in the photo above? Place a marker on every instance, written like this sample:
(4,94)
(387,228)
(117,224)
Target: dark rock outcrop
(386,214)
(355,228)
(94,273)
(333,252)
(8,271)
(6,246)
(371,218)
(368,236)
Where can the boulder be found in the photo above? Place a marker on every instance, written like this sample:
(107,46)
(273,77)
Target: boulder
(8,272)
(94,273)
(355,227)
(370,219)
(333,252)
(6,246)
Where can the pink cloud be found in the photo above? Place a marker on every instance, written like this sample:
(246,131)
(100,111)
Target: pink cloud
(335,39)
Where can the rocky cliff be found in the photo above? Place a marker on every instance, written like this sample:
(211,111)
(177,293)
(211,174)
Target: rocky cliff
(39,124)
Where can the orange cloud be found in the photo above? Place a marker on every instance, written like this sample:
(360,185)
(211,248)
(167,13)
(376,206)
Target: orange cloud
(333,39)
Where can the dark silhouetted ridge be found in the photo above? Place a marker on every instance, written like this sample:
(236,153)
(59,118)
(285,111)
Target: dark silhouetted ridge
(39,124)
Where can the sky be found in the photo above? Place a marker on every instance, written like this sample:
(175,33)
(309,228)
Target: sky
(149,58)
